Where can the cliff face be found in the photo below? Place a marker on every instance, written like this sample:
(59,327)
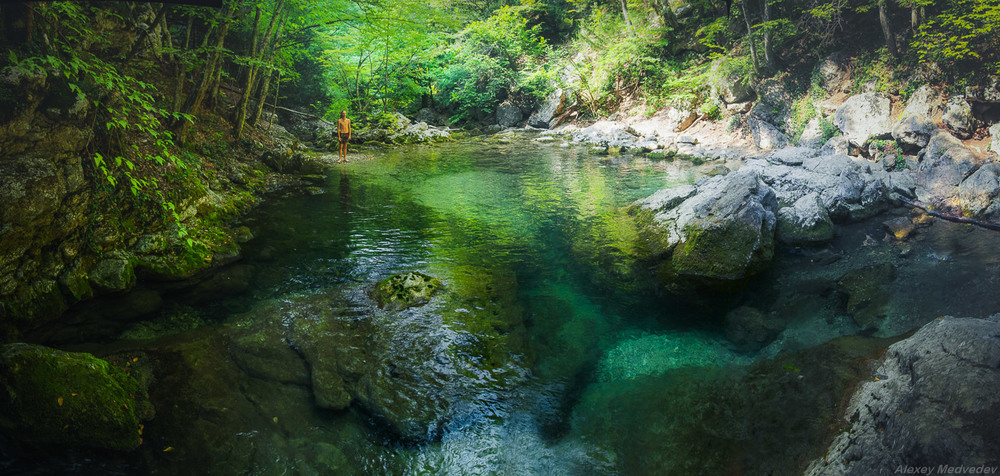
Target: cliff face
(45,195)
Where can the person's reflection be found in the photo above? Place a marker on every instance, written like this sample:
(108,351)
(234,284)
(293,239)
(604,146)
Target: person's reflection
(345,191)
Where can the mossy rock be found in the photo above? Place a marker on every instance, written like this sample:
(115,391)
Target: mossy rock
(730,250)
(868,294)
(55,397)
(401,291)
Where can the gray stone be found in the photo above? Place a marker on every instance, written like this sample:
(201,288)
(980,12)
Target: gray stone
(807,221)
(113,274)
(918,121)
(730,87)
(551,108)
(931,402)
(958,117)
(864,117)
(946,163)
(834,72)
(900,227)
(749,329)
(509,115)
(766,136)
(995,138)
(838,145)
(791,155)
(812,135)
(725,231)
(977,194)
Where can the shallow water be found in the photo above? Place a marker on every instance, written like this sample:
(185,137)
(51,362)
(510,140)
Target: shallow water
(591,371)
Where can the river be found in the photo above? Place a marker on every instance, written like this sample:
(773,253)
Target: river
(556,350)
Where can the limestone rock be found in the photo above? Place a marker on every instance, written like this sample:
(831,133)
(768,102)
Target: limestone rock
(995,138)
(807,221)
(551,108)
(766,136)
(977,195)
(864,117)
(946,163)
(934,403)
(900,227)
(917,122)
(724,232)
(113,274)
(834,72)
(958,117)
(55,397)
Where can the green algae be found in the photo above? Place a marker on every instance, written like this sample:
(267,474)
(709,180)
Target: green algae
(51,396)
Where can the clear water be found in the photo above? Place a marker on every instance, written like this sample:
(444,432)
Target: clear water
(593,372)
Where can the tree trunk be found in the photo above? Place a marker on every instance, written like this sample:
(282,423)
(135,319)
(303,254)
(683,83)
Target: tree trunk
(256,53)
(181,70)
(750,41)
(772,64)
(890,39)
(628,22)
(194,101)
(914,19)
(263,99)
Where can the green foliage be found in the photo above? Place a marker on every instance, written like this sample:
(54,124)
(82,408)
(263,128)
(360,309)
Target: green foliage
(493,60)
(963,35)
(828,129)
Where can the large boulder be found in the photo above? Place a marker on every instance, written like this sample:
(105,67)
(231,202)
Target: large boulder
(945,164)
(55,397)
(834,71)
(806,221)
(551,108)
(958,117)
(995,138)
(917,123)
(766,136)
(848,188)
(509,115)
(931,403)
(864,117)
(721,233)
(730,86)
(977,195)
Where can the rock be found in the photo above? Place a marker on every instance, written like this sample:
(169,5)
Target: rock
(837,145)
(995,138)
(848,188)
(864,117)
(812,135)
(54,397)
(917,123)
(834,72)
(868,294)
(933,404)
(900,227)
(113,274)
(729,86)
(508,114)
(772,105)
(553,106)
(766,136)
(417,133)
(807,221)
(903,183)
(958,117)
(724,232)
(401,291)
(790,155)
(749,329)
(946,163)
(977,195)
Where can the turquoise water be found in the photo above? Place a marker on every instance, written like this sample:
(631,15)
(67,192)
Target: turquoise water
(552,351)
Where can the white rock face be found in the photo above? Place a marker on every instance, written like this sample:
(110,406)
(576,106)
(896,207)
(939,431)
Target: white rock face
(864,117)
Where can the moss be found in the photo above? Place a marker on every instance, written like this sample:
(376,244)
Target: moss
(51,396)
(401,291)
(733,251)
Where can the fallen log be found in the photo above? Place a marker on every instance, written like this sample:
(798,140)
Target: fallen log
(951,218)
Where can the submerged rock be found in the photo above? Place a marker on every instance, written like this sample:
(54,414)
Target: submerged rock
(867,294)
(401,291)
(931,402)
(750,330)
(51,396)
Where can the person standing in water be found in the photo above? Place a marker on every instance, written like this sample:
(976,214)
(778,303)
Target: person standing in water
(343,135)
